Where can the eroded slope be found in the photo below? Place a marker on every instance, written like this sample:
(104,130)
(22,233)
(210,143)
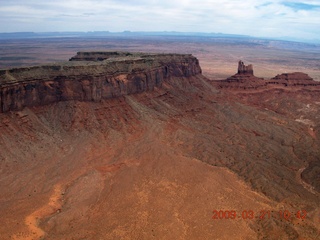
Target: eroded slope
(155,165)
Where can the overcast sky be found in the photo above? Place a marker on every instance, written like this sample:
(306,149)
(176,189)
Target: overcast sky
(262,18)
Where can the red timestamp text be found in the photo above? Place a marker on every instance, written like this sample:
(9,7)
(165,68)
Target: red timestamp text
(262,214)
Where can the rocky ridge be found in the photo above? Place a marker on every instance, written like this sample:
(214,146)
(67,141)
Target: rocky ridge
(91,76)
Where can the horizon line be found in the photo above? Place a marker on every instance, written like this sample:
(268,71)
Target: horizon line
(158,33)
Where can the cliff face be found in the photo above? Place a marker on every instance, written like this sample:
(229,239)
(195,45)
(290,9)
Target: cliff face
(106,75)
(243,69)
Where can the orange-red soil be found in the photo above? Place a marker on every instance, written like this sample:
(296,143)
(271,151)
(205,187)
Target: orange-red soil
(157,164)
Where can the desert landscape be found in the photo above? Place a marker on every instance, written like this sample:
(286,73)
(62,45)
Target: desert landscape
(159,138)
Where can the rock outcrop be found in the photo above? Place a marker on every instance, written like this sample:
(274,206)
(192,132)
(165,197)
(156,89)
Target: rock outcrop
(91,76)
(243,69)
(294,79)
(245,80)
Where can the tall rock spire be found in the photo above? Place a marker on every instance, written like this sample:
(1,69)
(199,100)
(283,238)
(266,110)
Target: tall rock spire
(243,69)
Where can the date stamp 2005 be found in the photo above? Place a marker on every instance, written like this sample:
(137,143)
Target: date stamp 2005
(262,214)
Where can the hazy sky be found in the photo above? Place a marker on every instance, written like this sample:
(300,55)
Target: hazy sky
(267,18)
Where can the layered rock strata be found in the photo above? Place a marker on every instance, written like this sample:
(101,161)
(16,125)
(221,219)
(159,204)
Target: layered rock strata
(293,79)
(106,75)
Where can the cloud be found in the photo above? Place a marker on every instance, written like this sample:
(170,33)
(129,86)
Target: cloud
(274,18)
(296,6)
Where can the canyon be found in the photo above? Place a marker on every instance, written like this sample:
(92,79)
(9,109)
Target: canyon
(123,145)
